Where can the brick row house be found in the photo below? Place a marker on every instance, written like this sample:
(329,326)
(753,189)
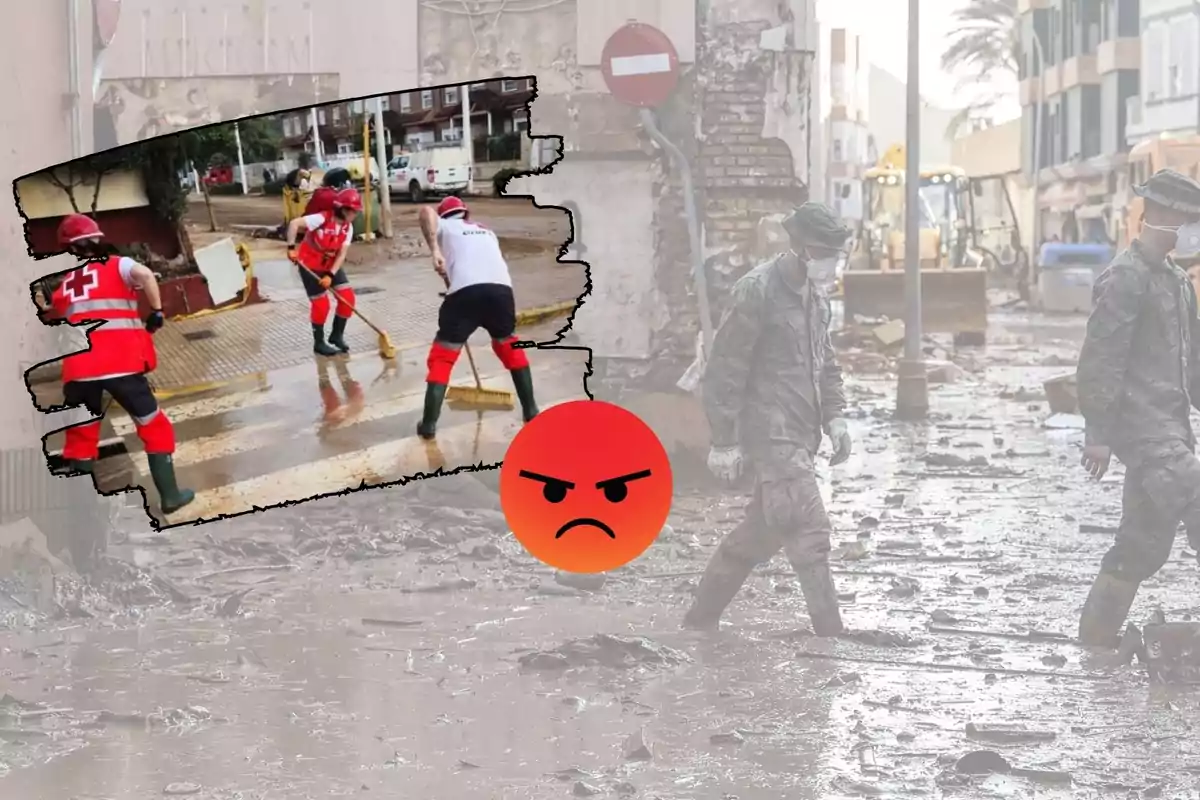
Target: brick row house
(499,114)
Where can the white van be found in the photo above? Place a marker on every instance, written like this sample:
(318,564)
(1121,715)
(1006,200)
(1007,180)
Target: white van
(437,169)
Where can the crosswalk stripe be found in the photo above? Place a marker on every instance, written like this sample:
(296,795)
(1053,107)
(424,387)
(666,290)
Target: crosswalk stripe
(247,438)
(185,411)
(122,425)
(377,464)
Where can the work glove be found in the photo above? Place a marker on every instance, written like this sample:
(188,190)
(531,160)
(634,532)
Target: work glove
(1096,460)
(725,463)
(325,281)
(154,321)
(839,437)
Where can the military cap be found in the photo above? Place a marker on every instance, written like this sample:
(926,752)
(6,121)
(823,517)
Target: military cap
(1172,190)
(817,224)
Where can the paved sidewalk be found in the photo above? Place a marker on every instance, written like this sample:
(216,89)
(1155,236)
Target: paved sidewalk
(402,299)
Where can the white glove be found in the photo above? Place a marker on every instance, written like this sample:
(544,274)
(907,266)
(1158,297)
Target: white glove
(839,436)
(725,463)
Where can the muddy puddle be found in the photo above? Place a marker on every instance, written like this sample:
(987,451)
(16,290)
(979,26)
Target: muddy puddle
(400,643)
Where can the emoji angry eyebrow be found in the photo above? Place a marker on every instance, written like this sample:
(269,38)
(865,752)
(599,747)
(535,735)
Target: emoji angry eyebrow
(633,476)
(533,476)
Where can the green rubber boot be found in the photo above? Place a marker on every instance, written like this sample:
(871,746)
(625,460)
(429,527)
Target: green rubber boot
(435,394)
(523,382)
(320,346)
(171,497)
(85,466)
(337,334)
(1105,611)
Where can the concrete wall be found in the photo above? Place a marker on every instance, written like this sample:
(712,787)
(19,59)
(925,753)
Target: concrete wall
(887,115)
(147,107)
(36,126)
(371,44)
(992,151)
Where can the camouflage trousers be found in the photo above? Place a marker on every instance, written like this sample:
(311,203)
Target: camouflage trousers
(786,513)
(1162,489)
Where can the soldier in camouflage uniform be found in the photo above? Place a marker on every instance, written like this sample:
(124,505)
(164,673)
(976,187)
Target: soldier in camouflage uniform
(1137,382)
(772,383)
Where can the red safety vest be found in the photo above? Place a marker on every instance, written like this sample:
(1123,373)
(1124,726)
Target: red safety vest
(95,292)
(320,247)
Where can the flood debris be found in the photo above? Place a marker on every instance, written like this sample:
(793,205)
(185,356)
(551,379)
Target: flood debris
(1062,394)
(636,747)
(1172,651)
(989,762)
(1007,733)
(441,587)
(181,789)
(584,582)
(729,737)
(620,652)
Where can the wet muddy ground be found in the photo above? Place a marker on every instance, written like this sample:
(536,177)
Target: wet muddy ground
(523,228)
(400,642)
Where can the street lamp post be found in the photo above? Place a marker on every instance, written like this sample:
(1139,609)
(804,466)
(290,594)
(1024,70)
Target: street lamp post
(1036,230)
(912,386)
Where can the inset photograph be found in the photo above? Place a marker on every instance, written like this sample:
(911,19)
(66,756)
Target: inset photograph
(304,303)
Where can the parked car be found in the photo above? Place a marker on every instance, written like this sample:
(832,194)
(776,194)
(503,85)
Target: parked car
(432,171)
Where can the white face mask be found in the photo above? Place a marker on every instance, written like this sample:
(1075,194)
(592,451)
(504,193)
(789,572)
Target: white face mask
(1188,243)
(823,270)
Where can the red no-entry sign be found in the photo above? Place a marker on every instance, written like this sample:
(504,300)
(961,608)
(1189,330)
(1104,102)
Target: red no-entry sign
(107,14)
(640,65)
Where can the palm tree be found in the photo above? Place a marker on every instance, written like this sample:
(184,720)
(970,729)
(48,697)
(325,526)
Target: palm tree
(985,44)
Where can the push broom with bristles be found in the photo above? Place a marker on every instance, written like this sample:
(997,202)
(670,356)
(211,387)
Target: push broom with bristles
(477,396)
(387,350)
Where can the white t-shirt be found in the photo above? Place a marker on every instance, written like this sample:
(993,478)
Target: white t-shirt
(472,254)
(125,266)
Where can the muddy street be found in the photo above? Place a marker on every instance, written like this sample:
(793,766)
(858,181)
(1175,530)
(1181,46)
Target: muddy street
(524,229)
(401,643)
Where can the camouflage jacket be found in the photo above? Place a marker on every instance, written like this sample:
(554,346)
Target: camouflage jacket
(772,377)
(1138,376)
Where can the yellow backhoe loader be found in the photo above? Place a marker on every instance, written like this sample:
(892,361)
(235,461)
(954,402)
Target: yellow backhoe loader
(954,279)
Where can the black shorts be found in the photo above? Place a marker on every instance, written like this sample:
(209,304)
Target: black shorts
(312,286)
(485,305)
(131,392)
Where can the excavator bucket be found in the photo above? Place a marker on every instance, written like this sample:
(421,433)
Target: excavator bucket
(952,300)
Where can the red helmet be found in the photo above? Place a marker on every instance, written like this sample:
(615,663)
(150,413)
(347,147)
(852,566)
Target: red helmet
(452,206)
(348,198)
(77,226)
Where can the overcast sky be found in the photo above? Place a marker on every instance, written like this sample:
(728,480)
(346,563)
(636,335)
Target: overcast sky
(883,24)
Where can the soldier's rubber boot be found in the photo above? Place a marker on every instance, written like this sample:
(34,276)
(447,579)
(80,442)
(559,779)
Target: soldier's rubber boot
(320,346)
(1105,611)
(337,335)
(435,395)
(816,584)
(171,497)
(523,382)
(723,579)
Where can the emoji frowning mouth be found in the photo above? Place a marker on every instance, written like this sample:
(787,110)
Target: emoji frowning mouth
(588,522)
